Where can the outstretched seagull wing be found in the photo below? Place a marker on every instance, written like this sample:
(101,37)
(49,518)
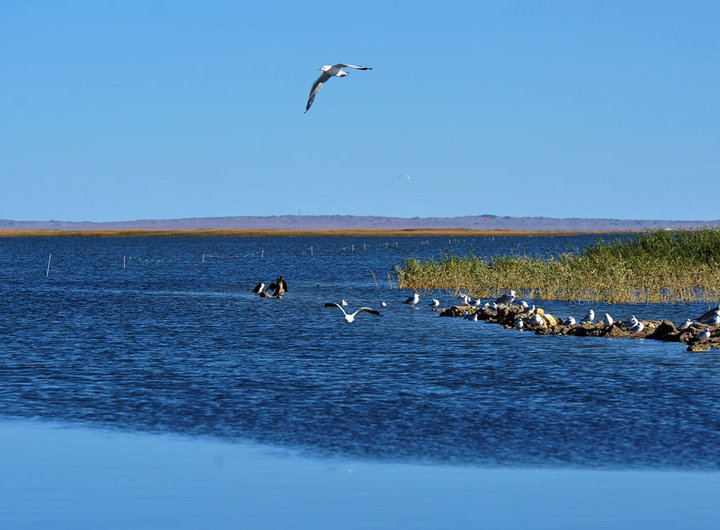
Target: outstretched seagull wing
(333,304)
(352,66)
(317,85)
(368,310)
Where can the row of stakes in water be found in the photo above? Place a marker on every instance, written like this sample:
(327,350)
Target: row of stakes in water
(311,251)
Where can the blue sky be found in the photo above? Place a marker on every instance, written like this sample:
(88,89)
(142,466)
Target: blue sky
(141,109)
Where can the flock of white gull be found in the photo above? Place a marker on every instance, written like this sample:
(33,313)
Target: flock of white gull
(531,318)
(528,317)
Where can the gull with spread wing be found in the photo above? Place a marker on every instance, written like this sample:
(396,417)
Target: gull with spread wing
(328,71)
(351,316)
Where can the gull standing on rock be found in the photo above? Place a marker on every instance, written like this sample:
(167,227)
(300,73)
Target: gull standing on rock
(589,317)
(435,303)
(705,316)
(537,321)
(685,325)
(507,298)
(632,322)
(703,335)
(569,321)
(714,319)
(528,310)
(637,327)
(609,320)
(328,71)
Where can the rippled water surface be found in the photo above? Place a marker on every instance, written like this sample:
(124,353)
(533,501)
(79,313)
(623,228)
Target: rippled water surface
(176,342)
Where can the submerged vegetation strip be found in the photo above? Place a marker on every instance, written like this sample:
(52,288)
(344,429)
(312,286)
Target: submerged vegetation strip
(659,266)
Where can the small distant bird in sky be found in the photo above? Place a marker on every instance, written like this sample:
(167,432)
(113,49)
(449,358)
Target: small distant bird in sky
(404,176)
(328,71)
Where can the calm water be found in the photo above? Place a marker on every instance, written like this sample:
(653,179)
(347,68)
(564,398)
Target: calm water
(176,342)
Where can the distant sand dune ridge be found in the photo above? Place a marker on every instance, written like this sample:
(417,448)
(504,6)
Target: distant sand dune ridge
(353,222)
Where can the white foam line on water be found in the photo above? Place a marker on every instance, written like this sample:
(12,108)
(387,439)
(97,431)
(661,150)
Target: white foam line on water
(57,476)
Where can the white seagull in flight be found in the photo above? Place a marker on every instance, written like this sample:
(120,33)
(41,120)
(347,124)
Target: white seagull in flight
(328,71)
(350,317)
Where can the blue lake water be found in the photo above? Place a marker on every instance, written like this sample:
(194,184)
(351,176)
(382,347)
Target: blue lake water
(175,342)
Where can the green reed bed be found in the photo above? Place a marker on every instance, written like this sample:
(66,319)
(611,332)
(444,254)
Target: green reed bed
(657,266)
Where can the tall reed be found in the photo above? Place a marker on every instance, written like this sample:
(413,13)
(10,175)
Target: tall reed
(659,266)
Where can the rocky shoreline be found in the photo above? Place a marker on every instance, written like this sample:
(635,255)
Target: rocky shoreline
(547,324)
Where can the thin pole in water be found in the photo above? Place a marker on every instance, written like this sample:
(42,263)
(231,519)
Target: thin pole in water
(47,272)
(123,262)
(311,251)
(262,254)
(203,258)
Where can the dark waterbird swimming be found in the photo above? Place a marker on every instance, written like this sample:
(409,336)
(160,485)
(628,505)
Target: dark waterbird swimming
(279,288)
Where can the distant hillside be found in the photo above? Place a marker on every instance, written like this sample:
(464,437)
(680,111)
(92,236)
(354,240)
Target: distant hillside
(327,222)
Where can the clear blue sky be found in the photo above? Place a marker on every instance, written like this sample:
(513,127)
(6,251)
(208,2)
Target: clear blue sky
(142,109)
